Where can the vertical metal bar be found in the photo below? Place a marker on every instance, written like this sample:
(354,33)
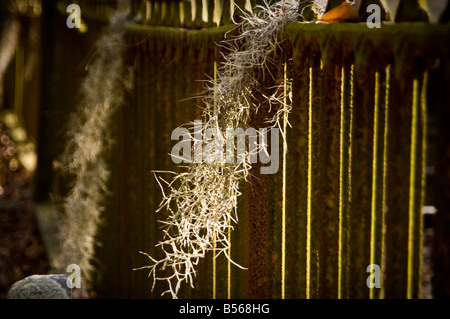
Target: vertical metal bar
(206,12)
(297,177)
(263,214)
(239,253)
(361,185)
(275,203)
(175,18)
(417,187)
(198,16)
(229,263)
(328,182)
(345,173)
(144,83)
(382,228)
(165,13)
(412,182)
(229,233)
(156,13)
(218,12)
(137,208)
(150,87)
(398,188)
(214,244)
(160,147)
(134,210)
(378,174)
(309,193)
(283,208)
(228,7)
(315,199)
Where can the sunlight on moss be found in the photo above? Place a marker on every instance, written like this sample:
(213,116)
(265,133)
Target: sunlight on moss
(102,92)
(202,200)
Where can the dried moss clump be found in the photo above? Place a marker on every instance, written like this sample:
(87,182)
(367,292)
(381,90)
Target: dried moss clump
(85,156)
(202,199)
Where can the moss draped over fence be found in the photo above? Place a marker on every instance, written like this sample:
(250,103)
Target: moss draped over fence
(354,169)
(351,187)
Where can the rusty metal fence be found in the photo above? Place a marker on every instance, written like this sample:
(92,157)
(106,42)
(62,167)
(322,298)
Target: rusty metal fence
(352,183)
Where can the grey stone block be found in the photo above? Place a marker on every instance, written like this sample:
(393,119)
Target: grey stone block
(41,287)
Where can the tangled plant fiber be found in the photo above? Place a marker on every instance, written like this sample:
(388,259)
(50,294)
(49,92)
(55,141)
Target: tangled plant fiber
(202,200)
(85,157)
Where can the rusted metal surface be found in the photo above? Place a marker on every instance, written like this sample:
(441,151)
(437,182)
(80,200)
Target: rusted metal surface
(341,227)
(351,187)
